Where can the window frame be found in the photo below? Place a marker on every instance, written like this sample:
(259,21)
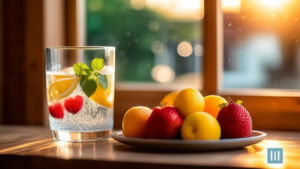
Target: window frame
(270,109)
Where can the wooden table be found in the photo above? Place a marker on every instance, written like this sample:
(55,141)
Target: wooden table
(33,147)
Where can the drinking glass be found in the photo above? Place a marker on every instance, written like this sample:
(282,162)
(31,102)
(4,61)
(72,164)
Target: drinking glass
(80,92)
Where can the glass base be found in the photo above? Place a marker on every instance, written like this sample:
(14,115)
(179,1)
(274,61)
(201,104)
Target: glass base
(81,136)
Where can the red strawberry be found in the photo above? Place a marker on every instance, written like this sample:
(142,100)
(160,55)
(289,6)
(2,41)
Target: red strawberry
(74,104)
(164,123)
(57,111)
(235,121)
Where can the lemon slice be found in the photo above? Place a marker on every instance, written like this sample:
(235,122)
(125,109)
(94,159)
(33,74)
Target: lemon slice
(62,86)
(102,96)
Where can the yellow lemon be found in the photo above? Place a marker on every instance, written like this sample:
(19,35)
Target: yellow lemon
(188,101)
(102,96)
(134,122)
(200,126)
(62,86)
(169,99)
(212,103)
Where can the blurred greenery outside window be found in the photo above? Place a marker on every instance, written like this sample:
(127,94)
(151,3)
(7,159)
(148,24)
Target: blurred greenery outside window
(156,40)
(261,44)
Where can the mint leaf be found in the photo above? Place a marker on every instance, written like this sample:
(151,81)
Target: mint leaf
(102,79)
(88,84)
(96,73)
(90,71)
(80,68)
(83,79)
(97,64)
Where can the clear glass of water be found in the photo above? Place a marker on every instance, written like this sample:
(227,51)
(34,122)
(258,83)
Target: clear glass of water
(80,92)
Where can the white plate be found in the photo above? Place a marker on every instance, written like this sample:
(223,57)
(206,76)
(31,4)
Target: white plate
(191,145)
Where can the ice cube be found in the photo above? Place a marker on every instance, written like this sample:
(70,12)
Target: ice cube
(107,70)
(68,70)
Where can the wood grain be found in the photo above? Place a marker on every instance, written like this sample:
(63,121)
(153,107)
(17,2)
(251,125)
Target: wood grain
(35,62)
(1,64)
(14,57)
(32,147)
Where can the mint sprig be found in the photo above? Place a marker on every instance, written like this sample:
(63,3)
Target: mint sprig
(102,79)
(89,85)
(80,69)
(97,64)
(90,76)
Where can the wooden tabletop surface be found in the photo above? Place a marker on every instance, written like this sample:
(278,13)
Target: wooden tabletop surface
(33,147)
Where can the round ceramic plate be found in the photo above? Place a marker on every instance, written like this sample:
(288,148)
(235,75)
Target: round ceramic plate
(191,145)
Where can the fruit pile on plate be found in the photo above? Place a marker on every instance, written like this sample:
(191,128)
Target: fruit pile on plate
(187,115)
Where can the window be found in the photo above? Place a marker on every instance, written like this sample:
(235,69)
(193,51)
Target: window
(269,90)
(156,41)
(271,107)
(261,44)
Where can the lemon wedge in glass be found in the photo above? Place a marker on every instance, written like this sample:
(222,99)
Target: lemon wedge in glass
(102,96)
(62,86)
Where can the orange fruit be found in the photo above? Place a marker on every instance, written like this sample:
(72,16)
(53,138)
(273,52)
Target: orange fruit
(169,99)
(134,122)
(189,101)
(212,103)
(200,126)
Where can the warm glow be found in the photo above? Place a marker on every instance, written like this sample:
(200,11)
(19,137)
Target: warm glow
(272,3)
(64,136)
(275,165)
(231,6)
(178,9)
(137,4)
(272,143)
(184,49)
(163,74)
(184,5)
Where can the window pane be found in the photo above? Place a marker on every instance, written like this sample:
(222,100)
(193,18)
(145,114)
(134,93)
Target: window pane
(156,40)
(261,44)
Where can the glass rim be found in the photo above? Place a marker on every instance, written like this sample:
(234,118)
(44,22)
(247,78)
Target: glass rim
(81,47)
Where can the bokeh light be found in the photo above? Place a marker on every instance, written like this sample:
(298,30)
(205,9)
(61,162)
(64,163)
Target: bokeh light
(163,74)
(178,9)
(184,5)
(95,5)
(231,6)
(184,49)
(157,47)
(137,4)
(153,26)
(272,4)
(149,36)
(198,50)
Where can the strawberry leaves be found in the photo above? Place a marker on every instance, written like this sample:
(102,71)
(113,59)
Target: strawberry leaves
(239,102)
